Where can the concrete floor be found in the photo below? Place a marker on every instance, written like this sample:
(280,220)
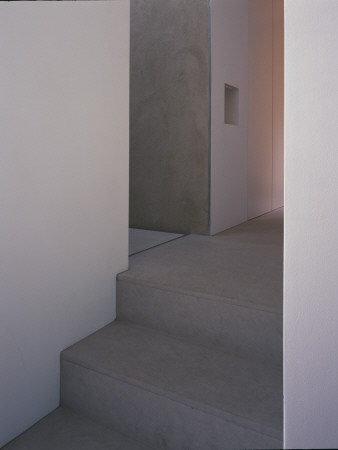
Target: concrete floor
(240,390)
(243,263)
(140,240)
(224,290)
(65,430)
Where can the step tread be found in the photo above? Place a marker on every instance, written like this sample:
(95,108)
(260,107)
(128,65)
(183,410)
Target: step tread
(245,392)
(140,240)
(237,264)
(65,430)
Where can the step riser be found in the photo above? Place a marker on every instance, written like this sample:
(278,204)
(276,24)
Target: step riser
(248,332)
(149,417)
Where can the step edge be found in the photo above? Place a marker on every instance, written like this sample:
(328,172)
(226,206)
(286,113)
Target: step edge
(173,337)
(218,348)
(207,409)
(122,277)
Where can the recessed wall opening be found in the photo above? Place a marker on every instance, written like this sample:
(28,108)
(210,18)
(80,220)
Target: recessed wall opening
(231,104)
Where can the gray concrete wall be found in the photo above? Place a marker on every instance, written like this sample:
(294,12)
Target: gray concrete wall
(169,115)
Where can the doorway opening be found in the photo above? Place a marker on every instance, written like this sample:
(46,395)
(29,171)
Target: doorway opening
(190,172)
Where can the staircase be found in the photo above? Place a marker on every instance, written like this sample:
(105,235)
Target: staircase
(194,360)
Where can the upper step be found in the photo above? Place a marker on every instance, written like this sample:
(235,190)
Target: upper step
(172,394)
(224,290)
(231,265)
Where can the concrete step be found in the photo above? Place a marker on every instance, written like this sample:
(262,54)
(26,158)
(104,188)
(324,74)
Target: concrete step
(170,394)
(65,430)
(224,290)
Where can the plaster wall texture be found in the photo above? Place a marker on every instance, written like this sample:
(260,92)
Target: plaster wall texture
(311,244)
(229,143)
(169,120)
(64,189)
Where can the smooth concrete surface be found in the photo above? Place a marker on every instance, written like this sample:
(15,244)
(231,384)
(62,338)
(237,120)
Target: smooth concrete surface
(140,240)
(238,264)
(64,189)
(207,320)
(224,291)
(172,394)
(311,218)
(65,430)
(169,115)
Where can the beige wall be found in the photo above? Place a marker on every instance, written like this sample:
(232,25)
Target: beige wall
(260,108)
(265,134)
(229,64)
(278,105)
(247,158)
(63,189)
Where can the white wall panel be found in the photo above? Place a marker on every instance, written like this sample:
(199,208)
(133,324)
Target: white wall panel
(311,217)
(64,189)
(229,65)
(247,158)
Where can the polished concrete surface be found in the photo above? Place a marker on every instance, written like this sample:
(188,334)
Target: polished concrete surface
(140,240)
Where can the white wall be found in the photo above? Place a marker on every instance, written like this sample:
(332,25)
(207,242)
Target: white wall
(311,217)
(64,189)
(247,159)
(229,64)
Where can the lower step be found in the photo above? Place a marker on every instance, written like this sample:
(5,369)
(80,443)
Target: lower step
(170,394)
(65,430)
